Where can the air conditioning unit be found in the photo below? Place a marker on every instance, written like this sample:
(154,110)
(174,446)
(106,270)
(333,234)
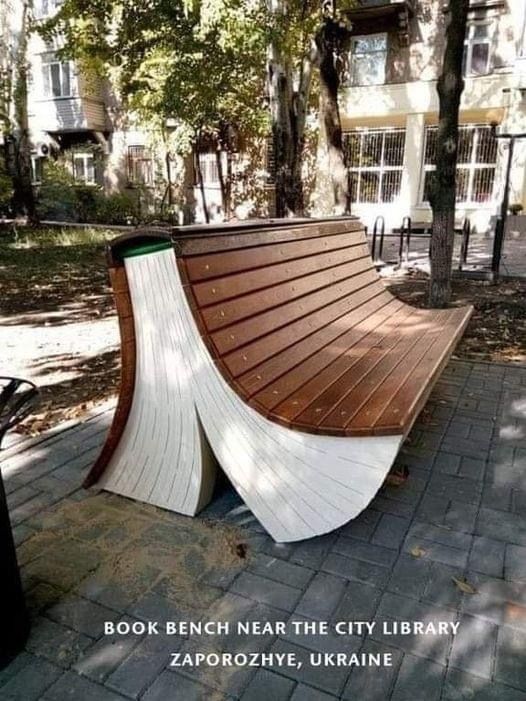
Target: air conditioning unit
(42,150)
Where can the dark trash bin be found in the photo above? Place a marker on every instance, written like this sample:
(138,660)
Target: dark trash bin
(14,620)
(17,398)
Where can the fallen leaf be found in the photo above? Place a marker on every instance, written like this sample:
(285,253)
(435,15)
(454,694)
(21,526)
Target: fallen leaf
(417,551)
(464,586)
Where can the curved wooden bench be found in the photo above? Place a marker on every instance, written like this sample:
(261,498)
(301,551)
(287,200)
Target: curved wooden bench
(277,348)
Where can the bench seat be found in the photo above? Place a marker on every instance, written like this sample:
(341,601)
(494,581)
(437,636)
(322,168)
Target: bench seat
(275,351)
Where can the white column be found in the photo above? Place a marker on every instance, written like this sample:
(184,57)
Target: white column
(413,160)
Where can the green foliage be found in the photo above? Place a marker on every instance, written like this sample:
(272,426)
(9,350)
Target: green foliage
(6,189)
(56,196)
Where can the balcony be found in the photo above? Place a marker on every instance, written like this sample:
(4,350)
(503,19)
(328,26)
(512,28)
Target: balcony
(381,16)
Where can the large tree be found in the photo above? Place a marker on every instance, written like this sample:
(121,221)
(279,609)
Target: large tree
(14,72)
(442,194)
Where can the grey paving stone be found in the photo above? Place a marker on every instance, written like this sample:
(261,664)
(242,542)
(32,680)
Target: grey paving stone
(499,525)
(266,591)
(59,645)
(418,679)
(103,657)
(22,533)
(510,668)
(497,496)
(18,663)
(440,534)
(39,597)
(311,553)
(454,487)
(21,495)
(487,556)
(355,569)
(280,570)
(460,686)
(368,552)
(310,675)
(140,669)
(474,646)
(449,463)
(472,468)
(498,601)
(267,685)
(359,602)
(390,531)
(231,681)
(461,517)
(155,607)
(31,681)
(432,509)
(82,615)
(321,597)
(390,506)
(312,639)
(72,687)
(174,687)
(410,576)
(515,563)
(437,552)
(362,527)
(373,683)
(308,693)
(441,589)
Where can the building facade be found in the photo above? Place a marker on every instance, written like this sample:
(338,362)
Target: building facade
(389,109)
(390,106)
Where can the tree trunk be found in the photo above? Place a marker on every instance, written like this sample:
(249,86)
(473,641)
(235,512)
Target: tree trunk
(222,184)
(288,112)
(331,40)
(23,196)
(442,191)
(201,186)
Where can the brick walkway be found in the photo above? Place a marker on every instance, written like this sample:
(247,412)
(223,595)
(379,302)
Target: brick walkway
(93,557)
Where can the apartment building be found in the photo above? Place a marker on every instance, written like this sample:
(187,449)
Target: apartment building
(389,107)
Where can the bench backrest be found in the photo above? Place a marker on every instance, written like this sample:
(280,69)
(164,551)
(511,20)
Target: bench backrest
(267,300)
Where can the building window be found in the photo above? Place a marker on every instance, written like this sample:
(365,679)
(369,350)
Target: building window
(477,49)
(36,168)
(476,163)
(84,168)
(49,7)
(56,76)
(375,159)
(368,59)
(209,169)
(140,165)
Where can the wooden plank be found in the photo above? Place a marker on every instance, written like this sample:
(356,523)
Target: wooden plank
(285,390)
(315,400)
(227,313)
(276,366)
(363,414)
(213,265)
(255,353)
(406,404)
(244,332)
(210,242)
(221,289)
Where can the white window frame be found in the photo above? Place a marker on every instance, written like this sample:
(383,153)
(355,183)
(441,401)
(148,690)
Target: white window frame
(88,160)
(352,82)
(140,165)
(381,169)
(470,42)
(63,68)
(48,8)
(472,167)
(209,169)
(36,168)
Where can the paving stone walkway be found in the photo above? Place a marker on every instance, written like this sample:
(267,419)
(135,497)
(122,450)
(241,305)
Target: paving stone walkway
(90,557)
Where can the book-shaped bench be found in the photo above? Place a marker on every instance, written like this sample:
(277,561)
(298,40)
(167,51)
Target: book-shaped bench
(275,350)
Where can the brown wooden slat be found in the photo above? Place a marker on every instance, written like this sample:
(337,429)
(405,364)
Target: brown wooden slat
(316,399)
(206,267)
(219,290)
(410,396)
(255,353)
(290,358)
(363,409)
(218,241)
(242,333)
(248,306)
(287,389)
